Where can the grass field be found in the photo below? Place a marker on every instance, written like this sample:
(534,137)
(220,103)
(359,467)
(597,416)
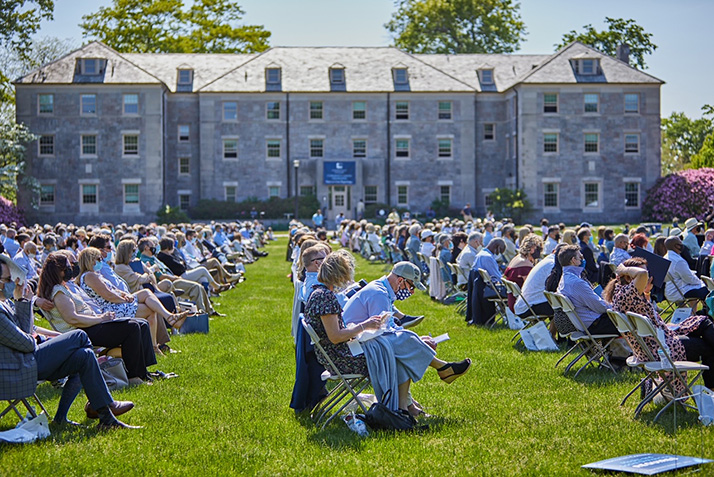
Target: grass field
(227,413)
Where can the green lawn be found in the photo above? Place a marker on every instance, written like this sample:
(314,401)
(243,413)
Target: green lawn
(228,413)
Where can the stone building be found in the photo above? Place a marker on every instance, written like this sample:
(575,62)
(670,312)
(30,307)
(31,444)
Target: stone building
(122,134)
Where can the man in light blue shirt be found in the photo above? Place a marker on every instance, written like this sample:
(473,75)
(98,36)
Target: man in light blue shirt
(619,252)
(692,228)
(317,219)
(486,258)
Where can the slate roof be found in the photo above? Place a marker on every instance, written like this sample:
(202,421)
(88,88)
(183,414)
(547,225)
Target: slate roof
(367,69)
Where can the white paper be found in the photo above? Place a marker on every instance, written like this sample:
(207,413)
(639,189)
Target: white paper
(679,315)
(441,338)
(355,347)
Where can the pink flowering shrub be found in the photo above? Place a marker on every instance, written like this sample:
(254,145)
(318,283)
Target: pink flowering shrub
(10,213)
(682,194)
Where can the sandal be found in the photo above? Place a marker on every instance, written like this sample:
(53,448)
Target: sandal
(458,369)
(177,319)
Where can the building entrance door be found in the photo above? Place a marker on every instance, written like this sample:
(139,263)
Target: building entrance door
(340,201)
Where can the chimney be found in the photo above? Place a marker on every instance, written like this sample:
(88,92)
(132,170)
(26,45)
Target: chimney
(623,53)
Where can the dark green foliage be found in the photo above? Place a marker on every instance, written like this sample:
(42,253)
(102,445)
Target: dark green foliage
(273,208)
(171,215)
(510,203)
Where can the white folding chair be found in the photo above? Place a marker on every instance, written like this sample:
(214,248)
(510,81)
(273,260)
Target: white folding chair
(500,301)
(347,385)
(669,372)
(557,307)
(594,347)
(533,318)
(673,305)
(708,282)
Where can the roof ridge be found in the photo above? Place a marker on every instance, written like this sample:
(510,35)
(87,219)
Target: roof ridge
(234,69)
(437,69)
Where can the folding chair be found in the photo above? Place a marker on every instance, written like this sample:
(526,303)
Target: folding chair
(556,306)
(348,385)
(708,282)
(533,318)
(673,305)
(12,405)
(500,301)
(669,372)
(591,346)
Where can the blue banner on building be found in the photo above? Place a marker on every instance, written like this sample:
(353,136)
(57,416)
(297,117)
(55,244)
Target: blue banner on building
(340,173)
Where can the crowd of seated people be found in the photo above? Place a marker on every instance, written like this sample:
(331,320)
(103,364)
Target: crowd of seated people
(110,286)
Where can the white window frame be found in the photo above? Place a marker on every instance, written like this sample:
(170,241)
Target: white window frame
(83,154)
(39,146)
(188,161)
(223,148)
(633,180)
(397,112)
(557,103)
(486,76)
(635,134)
(337,78)
(321,110)
(557,142)
(268,110)
(583,204)
(450,111)
(97,62)
(82,96)
(591,153)
(124,104)
(88,208)
(273,81)
(493,132)
(131,207)
(450,185)
(624,103)
(449,138)
(546,181)
(224,109)
(226,186)
(408,139)
(310,148)
(271,141)
(48,206)
(181,194)
(271,184)
(354,149)
(586,103)
(376,194)
(356,112)
(184,81)
(399,184)
(181,136)
(400,76)
(39,104)
(124,136)
(487,196)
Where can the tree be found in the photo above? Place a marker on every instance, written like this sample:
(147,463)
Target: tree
(705,156)
(457,26)
(13,138)
(165,26)
(682,138)
(510,203)
(619,31)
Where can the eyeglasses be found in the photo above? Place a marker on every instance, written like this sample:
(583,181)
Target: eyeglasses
(5,279)
(410,284)
(318,259)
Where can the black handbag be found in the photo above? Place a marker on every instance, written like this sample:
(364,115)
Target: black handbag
(380,417)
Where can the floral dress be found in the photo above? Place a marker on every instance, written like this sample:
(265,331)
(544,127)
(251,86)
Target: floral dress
(122,310)
(626,298)
(323,302)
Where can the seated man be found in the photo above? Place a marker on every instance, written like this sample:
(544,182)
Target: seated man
(682,279)
(591,267)
(692,228)
(178,267)
(467,257)
(619,252)
(553,239)
(69,354)
(591,309)
(486,259)
(26,259)
(195,258)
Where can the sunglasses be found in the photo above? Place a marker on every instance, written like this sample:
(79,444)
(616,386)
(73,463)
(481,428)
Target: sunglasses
(409,283)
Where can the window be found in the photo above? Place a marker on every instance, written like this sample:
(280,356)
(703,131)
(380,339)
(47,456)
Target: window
(445,194)
(230,193)
(550,195)
(550,103)
(316,110)
(550,142)
(401,76)
(486,76)
(273,148)
(46,146)
(402,148)
(337,76)
(131,194)
(307,190)
(272,76)
(92,66)
(184,133)
(588,66)
(185,76)
(403,195)
(317,147)
(131,145)
(370,194)
(230,149)
(47,194)
(489,132)
(402,110)
(632,103)
(632,143)
(487,199)
(131,104)
(591,102)
(89,145)
(592,195)
(445,147)
(184,166)
(445,110)
(273,191)
(46,103)
(184,201)
(272,110)
(89,194)
(230,111)
(359,148)
(88,104)
(632,195)
(359,110)
(592,141)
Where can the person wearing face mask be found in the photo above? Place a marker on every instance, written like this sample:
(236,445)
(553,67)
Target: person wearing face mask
(508,233)
(445,246)
(522,264)
(619,252)
(584,239)
(26,258)
(591,309)
(552,241)
(681,277)
(479,308)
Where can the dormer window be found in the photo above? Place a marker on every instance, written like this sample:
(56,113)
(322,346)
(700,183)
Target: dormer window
(401,76)
(185,76)
(337,76)
(92,66)
(586,66)
(272,76)
(486,76)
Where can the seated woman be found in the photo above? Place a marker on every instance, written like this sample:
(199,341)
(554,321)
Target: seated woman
(444,249)
(324,314)
(71,311)
(141,304)
(692,340)
(521,265)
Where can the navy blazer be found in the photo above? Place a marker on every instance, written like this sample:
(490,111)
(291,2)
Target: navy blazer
(18,367)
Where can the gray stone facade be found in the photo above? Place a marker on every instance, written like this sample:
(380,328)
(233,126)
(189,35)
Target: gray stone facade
(413,128)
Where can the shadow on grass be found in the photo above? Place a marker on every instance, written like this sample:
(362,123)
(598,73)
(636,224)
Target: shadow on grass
(671,421)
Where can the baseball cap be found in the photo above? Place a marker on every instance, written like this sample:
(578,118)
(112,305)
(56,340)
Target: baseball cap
(409,271)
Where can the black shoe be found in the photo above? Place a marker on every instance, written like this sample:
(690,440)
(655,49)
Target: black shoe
(409,320)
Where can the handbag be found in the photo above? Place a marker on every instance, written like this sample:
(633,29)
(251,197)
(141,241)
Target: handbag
(538,338)
(380,417)
(195,324)
(563,323)
(114,373)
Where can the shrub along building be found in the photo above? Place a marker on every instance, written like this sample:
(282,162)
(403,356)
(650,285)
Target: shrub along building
(120,135)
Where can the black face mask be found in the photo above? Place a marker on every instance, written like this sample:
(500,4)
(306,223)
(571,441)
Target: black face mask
(557,237)
(70,273)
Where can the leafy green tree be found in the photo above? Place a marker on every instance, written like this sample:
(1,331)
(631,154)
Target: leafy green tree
(166,26)
(13,138)
(457,26)
(682,138)
(705,156)
(511,203)
(619,31)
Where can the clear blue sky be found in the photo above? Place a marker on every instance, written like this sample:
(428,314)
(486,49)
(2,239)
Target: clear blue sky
(682,30)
